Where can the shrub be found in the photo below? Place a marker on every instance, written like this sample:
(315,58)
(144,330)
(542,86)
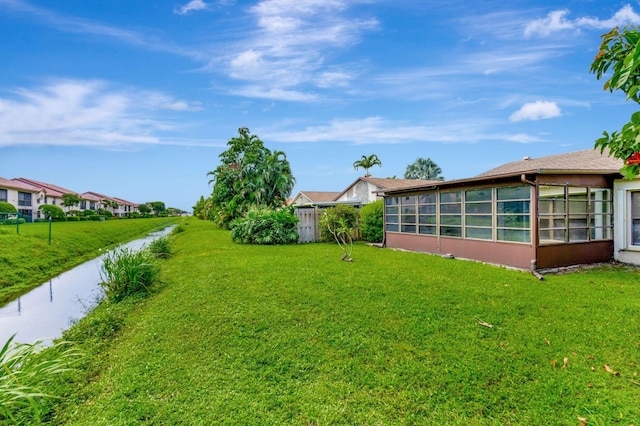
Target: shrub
(371,218)
(160,248)
(178,229)
(105,213)
(78,213)
(89,212)
(133,215)
(347,215)
(95,217)
(339,223)
(128,272)
(26,368)
(7,207)
(13,221)
(73,219)
(53,212)
(264,226)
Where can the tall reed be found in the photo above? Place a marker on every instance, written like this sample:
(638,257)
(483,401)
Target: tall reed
(25,371)
(127,272)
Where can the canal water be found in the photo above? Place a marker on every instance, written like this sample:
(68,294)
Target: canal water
(46,311)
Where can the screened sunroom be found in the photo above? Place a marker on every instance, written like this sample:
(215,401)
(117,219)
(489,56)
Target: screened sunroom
(538,218)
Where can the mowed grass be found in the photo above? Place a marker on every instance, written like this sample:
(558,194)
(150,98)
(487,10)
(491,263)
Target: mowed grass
(27,259)
(259,335)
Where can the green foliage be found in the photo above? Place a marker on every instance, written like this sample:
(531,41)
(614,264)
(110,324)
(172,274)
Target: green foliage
(70,200)
(144,209)
(12,221)
(620,52)
(266,227)
(53,212)
(371,221)
(7,207)
(367,162)
(105,213)
(423,168)
(160,248)
(96,217)
(73,219)
(25,369)
(133,215)
(249,175)
(77,213)
(340,221)
(89,212)
(158,207)
(346,214)
(128,272)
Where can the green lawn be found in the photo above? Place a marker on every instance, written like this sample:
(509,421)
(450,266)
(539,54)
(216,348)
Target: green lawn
(27,259)
(253,335)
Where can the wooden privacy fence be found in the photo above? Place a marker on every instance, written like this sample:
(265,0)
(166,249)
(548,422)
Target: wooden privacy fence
(308,231)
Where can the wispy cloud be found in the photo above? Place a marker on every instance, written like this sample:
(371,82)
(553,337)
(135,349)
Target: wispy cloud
(89,113)
(291,44)
(378,130)
(72,24)
(192,6)
(558,20)
(538,110)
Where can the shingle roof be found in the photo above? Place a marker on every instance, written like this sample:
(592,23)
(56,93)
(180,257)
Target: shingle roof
(49,188)
(392,183)
(586,161)
(320,195)
(14,184)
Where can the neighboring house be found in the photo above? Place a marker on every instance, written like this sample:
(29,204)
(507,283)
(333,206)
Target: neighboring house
(104,202)
(89,202)
(536,213)
(52,194)
(307,198)
(126,206)
(366,189)
(24,197)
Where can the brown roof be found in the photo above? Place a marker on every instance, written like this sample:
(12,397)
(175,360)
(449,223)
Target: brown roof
(587,161)
(319,196)
(14,184)
(392,183)
(49,188)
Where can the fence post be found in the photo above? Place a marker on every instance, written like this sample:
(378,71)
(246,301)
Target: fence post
(49,230)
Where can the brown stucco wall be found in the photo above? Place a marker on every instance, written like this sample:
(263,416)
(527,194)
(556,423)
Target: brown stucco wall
(559,255)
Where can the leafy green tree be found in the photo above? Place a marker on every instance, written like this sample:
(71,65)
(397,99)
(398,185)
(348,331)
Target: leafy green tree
(423,168)
(70,200)
(620,52)
(367,162)
(53,212)
(371,221)
(158,207)
(249,175)
(266,226)
(144,208)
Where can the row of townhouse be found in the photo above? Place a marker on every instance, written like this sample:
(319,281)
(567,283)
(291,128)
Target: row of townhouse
(27,195)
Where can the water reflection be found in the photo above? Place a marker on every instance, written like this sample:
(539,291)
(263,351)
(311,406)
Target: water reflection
(37,315)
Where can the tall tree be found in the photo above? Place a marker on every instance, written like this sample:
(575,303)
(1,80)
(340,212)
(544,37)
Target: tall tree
(423,168)
(367,162)
(620,52)
(70,200)
(249,175)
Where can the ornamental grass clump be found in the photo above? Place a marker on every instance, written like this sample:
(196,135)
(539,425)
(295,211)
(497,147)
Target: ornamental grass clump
(25,372)
(128,272)
(160,248)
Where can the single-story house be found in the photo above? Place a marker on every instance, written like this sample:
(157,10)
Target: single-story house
(366,189)
(541,213)
(306,198)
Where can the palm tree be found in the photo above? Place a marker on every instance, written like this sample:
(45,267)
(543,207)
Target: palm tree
(423,168)
(367,162)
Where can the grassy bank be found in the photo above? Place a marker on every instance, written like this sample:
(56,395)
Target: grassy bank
(27,259)
(290,335)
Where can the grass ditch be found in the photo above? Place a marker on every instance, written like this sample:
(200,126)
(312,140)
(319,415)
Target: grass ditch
(27,260)
(248,335)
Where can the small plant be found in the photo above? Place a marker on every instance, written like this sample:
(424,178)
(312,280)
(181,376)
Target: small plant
(340,212)
(25,369)
(160,248)
(341,228)
(128,272)
(178,229)
(371,226)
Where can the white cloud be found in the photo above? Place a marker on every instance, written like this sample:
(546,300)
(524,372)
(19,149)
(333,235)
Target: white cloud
(557,21)
(193,5)
(378,130)
(80,112)
(538,110)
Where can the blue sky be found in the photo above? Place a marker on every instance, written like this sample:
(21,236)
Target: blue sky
(137,98)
